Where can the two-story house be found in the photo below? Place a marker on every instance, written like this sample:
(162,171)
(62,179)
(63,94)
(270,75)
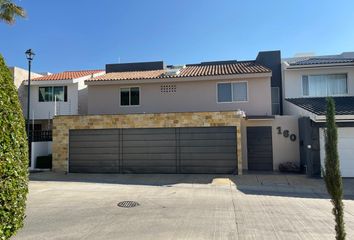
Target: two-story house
(62,93)
(52,95)
(307,81)
(210,117)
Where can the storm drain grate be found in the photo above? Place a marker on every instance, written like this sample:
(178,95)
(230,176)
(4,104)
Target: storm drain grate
(128,204)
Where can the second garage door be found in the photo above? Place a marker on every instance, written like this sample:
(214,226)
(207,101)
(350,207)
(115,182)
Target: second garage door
(154,150)
(150,150)
(345,150)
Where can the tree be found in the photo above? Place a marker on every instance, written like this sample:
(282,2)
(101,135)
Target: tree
(9,11)
(331,173)
(13,157)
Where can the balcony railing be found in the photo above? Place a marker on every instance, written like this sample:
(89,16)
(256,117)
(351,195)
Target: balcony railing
(40,136)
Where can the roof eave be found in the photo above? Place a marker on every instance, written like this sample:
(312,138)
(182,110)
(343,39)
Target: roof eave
(300,67)
(63,81)
(338,118)
(179,79)
(47,82)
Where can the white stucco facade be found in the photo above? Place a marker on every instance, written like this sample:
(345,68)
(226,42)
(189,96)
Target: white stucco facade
(46,110)
(39,149)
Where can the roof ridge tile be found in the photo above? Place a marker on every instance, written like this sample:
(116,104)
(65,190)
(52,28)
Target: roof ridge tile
(241,67)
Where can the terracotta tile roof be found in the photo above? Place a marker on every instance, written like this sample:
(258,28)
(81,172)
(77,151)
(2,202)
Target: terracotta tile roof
(197,70)
(130,75)
(67,75)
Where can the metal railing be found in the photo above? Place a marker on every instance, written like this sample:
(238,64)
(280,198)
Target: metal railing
(40,136)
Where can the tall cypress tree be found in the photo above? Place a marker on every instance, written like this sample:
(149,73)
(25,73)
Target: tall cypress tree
(13,157)
(331,173)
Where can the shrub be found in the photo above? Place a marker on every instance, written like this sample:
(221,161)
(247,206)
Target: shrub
(331,173)
(44,161)
(13,157)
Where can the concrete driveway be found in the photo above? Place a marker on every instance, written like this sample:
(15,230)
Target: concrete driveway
(78,206)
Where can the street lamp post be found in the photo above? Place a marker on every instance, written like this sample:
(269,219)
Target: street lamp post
(29,55)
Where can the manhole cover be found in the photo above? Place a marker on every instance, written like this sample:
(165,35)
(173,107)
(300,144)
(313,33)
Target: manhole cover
(128,204)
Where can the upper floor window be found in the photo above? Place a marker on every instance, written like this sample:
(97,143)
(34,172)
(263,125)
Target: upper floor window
(130,96)
(324,85)
(52,94)
(232,92)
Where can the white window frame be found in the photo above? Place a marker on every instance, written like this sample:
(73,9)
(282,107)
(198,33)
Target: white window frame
(232,92)
(336,95)
(120,90)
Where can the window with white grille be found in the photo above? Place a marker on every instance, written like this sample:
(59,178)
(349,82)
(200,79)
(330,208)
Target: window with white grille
(168,88)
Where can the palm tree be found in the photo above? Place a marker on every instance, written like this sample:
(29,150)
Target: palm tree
(9,11)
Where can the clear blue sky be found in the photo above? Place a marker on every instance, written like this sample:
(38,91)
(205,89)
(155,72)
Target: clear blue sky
(87,34)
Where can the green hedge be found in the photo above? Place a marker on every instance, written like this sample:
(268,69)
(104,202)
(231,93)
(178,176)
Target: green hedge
(44,162)
(13,157)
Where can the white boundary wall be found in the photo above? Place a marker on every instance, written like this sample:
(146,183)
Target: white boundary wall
(39,149)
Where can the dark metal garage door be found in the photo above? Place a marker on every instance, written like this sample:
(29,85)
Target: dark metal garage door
(207,150)
(94,151)
(154,150)
(149,150)
(259,148)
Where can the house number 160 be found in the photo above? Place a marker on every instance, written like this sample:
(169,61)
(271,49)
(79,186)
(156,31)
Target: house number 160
(286,134)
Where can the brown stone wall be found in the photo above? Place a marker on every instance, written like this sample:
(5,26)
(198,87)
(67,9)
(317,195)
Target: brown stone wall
(62,125)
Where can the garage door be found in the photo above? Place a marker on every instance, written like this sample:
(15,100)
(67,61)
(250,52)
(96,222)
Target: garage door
(149,150)
(207,150)
(259,148)
(345,150)
(154,150)
(94,151)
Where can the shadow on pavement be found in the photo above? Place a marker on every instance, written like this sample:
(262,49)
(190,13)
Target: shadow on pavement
(127,179)
(295,193)
(272,184)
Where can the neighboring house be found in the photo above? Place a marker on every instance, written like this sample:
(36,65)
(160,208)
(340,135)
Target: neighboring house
(212,117)
(307,81)
(58,94)
(51,95)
